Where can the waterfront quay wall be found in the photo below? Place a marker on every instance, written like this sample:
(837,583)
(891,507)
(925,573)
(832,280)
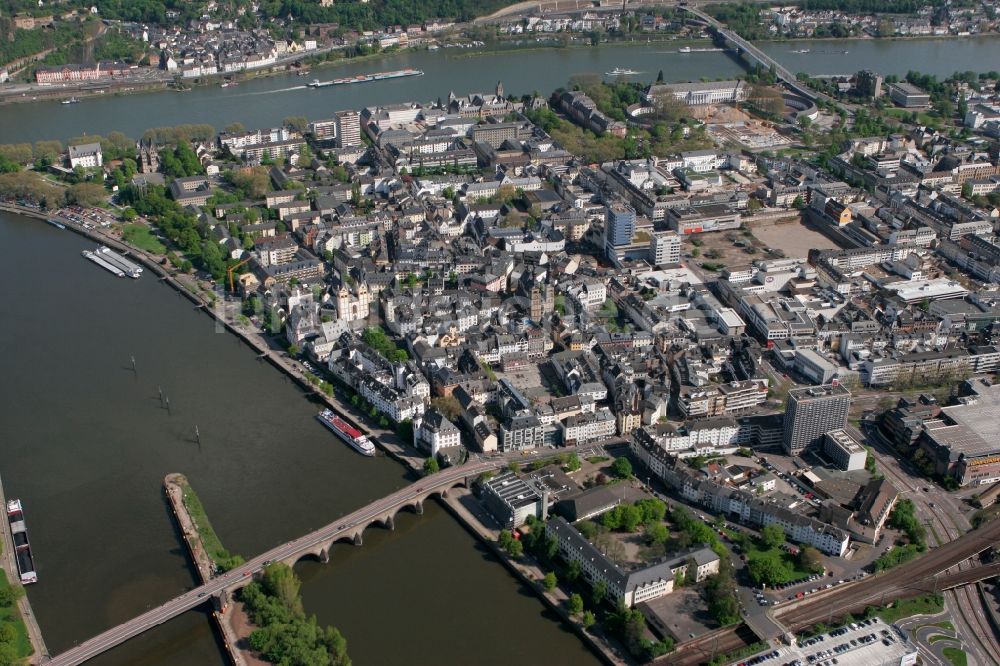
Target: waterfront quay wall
(397,452)
(409,458)
(453,505)
(173,486)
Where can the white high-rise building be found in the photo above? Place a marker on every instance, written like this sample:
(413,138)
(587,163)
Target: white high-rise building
(348,129)
(666,248)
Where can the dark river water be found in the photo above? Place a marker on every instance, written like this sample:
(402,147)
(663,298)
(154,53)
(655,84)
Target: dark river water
(266,101)
(86,446)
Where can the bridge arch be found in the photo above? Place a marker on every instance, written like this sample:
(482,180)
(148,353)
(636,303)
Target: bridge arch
(386,520)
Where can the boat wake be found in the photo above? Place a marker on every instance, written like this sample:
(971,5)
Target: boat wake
(272,92)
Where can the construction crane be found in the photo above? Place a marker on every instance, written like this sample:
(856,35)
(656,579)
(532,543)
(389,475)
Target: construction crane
(231,269)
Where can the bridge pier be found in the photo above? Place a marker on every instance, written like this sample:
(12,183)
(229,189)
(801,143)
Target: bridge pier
(418,507)
(324,556)
(390,523)
(357,540)
(220,601)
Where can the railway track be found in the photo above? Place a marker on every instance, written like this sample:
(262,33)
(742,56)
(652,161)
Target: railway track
(964,600)
(708,646)
(942,568)
(916,577)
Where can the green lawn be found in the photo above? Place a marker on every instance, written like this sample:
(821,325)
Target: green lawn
(955,656)
(926,605)
(598,459)
(10,614)
(922,117)
(209,539)
(141,237)
(940,637)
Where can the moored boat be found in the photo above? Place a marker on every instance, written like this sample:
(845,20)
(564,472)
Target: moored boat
(358,441)
(19,537)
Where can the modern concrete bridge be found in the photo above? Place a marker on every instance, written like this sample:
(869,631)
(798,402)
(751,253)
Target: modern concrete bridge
(755,54)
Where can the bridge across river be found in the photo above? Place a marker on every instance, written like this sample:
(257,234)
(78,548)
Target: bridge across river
(919,574)
(755,54)
(317,544)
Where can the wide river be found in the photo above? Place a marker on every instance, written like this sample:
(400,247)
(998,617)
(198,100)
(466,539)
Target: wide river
(86,447)
(265,101)
(86,444)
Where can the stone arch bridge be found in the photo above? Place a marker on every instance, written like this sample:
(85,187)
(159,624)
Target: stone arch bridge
(315,544)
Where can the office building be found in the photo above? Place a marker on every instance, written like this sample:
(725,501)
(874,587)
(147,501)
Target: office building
(814,366)
(494,133)
(869,83)
(811,413)
(510,500)
(324,131)
(908,96)
(632,586)
(666,248)
(619,227)
(845,453)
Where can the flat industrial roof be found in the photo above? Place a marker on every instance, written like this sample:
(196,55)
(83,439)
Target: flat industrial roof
(917,290)
(976,429)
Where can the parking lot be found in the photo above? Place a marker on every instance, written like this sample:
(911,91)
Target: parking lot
(867,643)
(797,589)
(88,217)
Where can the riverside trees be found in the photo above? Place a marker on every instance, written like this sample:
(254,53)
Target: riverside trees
(285,635)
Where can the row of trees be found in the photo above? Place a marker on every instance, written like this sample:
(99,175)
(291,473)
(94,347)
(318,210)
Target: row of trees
(190,132)
(378,13)
(178,159)
(31,187)
(180,227)
(41,153)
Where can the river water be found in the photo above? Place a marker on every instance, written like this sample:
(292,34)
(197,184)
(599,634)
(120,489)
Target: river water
(938,56)
(265,101)
(86,447)
(86,444)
